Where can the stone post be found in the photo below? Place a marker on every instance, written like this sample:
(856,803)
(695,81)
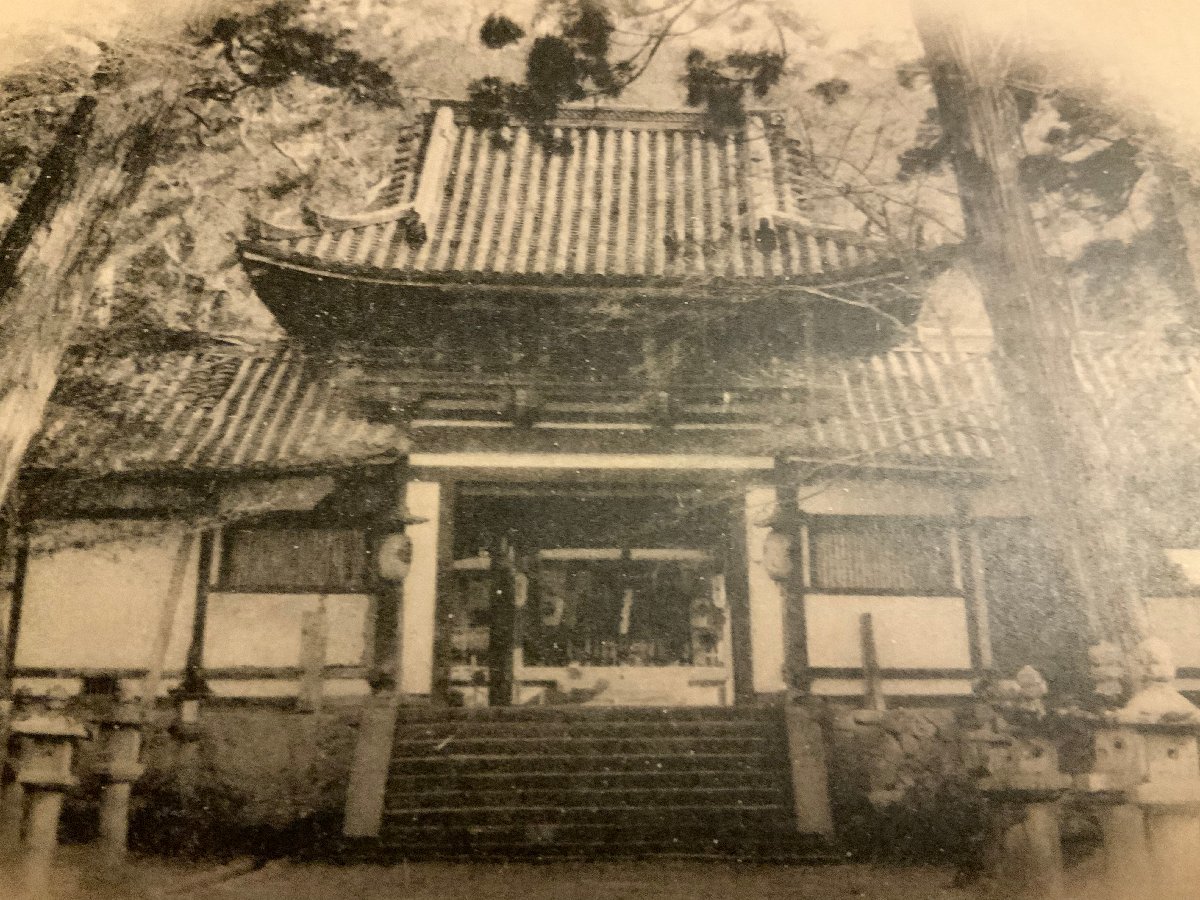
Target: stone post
(186,729)
(1161,726)
(121,730)
(1023,783)
(1108,787)
(48,737)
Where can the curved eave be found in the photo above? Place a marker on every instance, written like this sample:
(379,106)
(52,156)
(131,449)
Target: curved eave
(880,272)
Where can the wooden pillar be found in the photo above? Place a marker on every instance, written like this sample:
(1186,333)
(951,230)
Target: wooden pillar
(504,626)
(387,643)
(974,578)
(790,521)
(19,550)
(12,792)
(194,684)
(440,686)
(737,603)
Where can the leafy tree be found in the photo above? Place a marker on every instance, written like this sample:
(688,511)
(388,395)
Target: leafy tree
(103,210)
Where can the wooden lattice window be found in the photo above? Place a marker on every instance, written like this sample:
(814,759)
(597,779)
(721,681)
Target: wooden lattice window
(882,554)
(294,559)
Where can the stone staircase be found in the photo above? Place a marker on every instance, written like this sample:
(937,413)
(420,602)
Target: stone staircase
(589,782)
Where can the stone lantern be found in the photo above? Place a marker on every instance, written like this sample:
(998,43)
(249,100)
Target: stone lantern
(47,738)
(121,724)
(1158,730)
(1021,776)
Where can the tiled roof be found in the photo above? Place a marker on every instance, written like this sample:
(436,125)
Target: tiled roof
(904,406)
(640,194)
(207,410)
(231,409)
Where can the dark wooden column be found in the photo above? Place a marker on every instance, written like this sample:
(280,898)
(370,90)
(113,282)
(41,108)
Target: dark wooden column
(194,684)
(389,520)
(737,600)
(16,549)
(15,565)
(503,626)
(790,521)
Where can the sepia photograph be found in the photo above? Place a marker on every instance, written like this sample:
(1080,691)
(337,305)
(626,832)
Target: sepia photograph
(620,449)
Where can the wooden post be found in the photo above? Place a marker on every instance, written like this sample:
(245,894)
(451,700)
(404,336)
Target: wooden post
(500,642)
(872,677)
(12,792)
(166,623)
(194,684)
(314,638)
(388,644)
(974,571)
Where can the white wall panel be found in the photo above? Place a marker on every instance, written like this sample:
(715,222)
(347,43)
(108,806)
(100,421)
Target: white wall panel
(94,592)
(910,632)
(1176,620)
(264,629)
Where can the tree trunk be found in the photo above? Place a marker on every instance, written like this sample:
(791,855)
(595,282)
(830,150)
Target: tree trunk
(54,246)
(1182,201)
(1060,444)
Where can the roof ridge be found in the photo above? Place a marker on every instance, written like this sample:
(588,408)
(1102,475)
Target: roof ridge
(571,113)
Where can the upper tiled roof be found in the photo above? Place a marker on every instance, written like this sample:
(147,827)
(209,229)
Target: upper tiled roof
(640,194)
(217,409)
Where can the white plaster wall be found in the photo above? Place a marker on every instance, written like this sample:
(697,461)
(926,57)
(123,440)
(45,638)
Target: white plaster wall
(94,592)
(264,629)
(766,599)
(902,687)
(420,589)
(1176,620)
(910,632)
(890,497)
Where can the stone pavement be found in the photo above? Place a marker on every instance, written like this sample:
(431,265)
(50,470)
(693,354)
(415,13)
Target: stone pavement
(650,880)
(663,879)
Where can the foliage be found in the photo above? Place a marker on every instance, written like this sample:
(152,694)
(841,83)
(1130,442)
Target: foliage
(268,48)
(720,85)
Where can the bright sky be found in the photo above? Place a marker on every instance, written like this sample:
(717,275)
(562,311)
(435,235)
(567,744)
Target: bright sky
(1147,52)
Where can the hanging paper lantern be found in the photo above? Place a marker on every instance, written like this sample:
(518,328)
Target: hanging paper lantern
(777,555)
(393,556)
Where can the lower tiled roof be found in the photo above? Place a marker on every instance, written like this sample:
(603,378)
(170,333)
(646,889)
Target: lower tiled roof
(228,408)
(220,408)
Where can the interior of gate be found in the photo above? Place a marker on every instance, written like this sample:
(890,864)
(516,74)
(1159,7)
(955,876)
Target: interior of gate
(586,596)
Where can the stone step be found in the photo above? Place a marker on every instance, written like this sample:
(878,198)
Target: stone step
(595,840)
(717,817)
(572,762)
(418,714)
(604,781)
(571,781)
(588,727)
(583,797)
(544,745)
